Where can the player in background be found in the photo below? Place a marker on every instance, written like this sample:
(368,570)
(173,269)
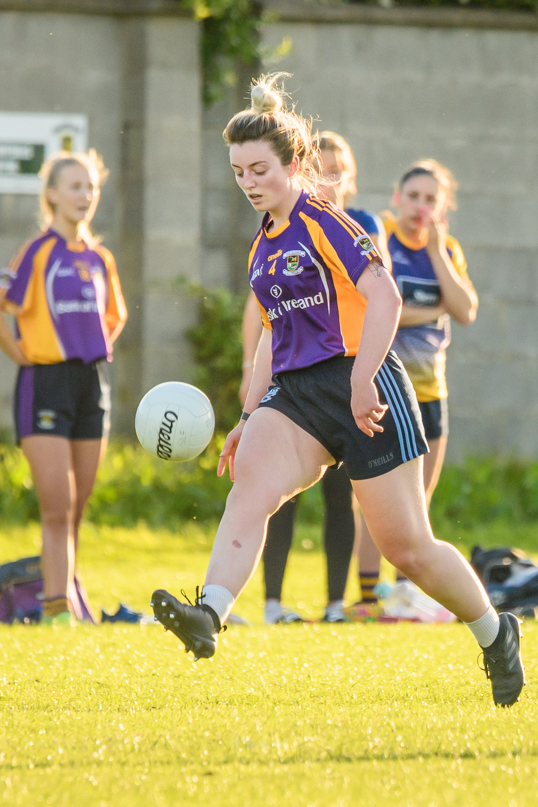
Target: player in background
(337,170)
(63,290)
(430,271)
(326,389)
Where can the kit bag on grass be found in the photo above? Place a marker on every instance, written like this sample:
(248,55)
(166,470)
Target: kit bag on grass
(509,577)
(21,593)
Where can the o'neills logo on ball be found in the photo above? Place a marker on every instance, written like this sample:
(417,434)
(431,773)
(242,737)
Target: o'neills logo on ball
(164,442)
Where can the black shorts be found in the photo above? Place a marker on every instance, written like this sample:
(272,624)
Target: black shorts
(318,399)
(69,399)
(435,418)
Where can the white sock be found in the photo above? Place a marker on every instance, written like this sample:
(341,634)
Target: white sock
(272,611)
(220,600)
(335,607)
(486,628)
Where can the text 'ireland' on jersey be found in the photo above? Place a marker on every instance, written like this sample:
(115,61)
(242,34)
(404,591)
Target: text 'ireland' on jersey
(304,276)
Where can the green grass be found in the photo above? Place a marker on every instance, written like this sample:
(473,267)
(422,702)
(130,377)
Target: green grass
(308,716)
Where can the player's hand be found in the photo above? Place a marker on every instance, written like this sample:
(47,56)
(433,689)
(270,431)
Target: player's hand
(366,408)
(437,233)
(20,359)
(227,455)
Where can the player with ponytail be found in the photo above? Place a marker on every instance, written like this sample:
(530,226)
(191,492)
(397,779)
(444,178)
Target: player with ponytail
(326,390)
(430,270)
(336,175)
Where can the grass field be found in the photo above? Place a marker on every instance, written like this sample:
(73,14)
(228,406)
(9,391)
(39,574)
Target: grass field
(302,715)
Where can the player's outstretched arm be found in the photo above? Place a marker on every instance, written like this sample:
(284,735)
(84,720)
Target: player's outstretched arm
(252,331)
(261,379)
(380,324)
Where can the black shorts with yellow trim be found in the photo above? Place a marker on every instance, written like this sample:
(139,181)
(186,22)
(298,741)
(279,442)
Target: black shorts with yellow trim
(318,399)
(68,399)
(435,418)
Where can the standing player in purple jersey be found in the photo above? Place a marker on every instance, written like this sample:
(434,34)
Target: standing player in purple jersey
(63,290)
(325,390)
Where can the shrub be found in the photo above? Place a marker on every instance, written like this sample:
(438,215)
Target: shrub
(218,352)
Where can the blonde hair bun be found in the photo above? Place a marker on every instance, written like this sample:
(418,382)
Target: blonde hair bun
(264,98)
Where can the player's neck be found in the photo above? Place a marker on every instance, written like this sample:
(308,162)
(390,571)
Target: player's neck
(67,229)
(281,214)
(414,235)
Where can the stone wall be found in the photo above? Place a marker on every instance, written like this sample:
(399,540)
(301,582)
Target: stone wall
(137,79)
(457,85)
(467,96)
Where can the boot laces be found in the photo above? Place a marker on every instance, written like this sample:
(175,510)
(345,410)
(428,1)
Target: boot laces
(199,601)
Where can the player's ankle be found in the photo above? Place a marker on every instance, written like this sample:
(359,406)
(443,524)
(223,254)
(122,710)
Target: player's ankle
(218,600)
(52,606)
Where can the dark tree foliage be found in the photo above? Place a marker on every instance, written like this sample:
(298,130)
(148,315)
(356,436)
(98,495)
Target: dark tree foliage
(218,353)
(230,34)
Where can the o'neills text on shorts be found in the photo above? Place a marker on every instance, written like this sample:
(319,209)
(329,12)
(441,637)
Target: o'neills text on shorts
(381,460)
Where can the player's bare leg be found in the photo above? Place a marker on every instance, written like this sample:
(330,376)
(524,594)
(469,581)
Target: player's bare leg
(433,465)
(86,456)
(49,457)
(394,507)
(275,460)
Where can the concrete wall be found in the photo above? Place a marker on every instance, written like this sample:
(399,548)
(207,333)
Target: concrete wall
(469,98)
(400,84)
(137,79)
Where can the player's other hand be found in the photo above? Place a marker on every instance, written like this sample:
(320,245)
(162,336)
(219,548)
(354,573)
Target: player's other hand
(366,408)
(227,455)
(437,233)
(20,358)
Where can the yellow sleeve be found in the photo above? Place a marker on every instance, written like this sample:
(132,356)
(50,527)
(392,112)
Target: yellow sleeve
(457,256)
(116,310)
(265,319)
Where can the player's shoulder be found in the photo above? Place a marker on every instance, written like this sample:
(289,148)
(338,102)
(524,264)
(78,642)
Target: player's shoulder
(453,244)
(388,219)
(30,248)
(456,253)
(105,254)
(370,222)
(331,219)
(259,233)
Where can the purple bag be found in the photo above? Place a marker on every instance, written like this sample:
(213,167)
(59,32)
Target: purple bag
(21,593)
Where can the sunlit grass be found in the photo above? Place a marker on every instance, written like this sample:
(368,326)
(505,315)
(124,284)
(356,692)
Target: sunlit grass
(303,715)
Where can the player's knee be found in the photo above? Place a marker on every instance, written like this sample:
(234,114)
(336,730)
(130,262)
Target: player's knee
(56,518)
(247,496)
(411,561)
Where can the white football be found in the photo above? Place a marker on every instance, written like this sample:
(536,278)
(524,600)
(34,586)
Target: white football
(175,421)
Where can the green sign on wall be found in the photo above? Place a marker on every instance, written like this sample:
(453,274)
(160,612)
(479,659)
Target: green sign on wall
(21,158)
(28,139)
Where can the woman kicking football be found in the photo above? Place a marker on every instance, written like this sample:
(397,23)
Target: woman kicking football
(325,390)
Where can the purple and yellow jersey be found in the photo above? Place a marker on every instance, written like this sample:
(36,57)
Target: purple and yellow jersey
(70,297)
(303,275)
(422,348)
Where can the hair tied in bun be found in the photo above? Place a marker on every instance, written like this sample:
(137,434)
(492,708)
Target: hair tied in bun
(264,97)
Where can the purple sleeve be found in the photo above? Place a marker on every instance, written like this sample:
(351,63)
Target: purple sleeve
(19,273)
(353,247)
